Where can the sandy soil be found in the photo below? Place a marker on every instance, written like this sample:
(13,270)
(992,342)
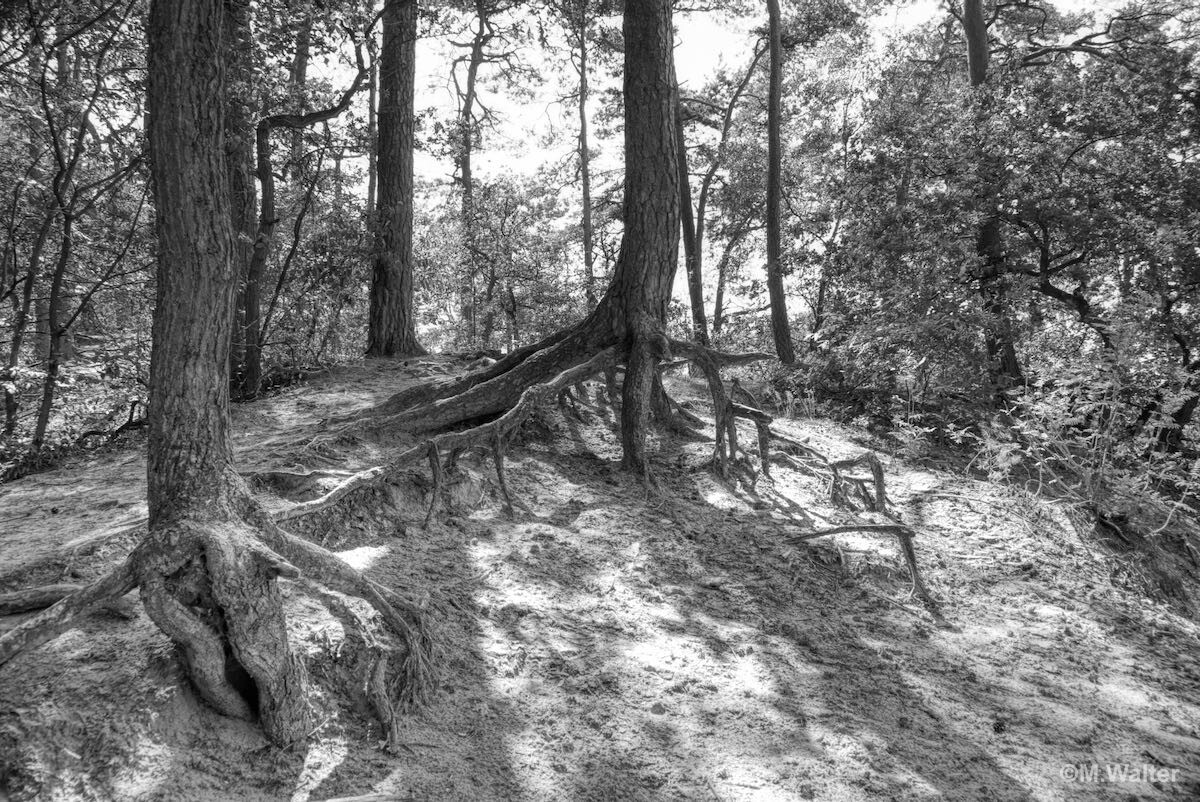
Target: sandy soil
(613,643)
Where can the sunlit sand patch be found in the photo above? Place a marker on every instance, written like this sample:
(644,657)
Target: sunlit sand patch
(320,761)
(364,557)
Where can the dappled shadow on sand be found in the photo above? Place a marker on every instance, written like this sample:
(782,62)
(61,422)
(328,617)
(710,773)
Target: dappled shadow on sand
(679,659)
(615,640)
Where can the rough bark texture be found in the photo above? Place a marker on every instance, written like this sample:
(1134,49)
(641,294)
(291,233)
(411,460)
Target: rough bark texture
(392,328)
(641,286)
(200,581)
(780,328)
(208,567)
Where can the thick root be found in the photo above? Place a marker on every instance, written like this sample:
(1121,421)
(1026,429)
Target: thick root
(482,436)
(61,616)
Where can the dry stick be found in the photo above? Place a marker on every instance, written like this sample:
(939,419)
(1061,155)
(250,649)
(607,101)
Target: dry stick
(762,422)
(869,459)
(903,533)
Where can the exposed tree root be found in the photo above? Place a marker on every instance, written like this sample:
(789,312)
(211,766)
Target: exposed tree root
(51,623)
(489,435)
(739,403)
(212,584)
(904,535)
(211,587)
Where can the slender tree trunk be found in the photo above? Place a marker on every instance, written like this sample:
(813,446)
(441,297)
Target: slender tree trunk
(691,245)
(780,327)
(21,318)
(392,325)
(54,332)
(707,182)
(723,276)
(246,363)
(466,144)
(372,132)
(585,165)
(1003,365)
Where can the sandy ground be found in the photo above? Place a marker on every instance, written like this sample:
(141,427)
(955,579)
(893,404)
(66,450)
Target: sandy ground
(610,642)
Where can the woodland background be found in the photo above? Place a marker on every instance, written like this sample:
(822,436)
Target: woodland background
(995,255)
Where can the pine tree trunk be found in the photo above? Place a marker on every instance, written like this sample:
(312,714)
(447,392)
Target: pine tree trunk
(392,325)
(780,327)
(641,286)
(200,583)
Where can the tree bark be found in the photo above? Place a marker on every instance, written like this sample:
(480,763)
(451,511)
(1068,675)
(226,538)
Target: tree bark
(641,287)
(780,327)
(392,325)
(200,582)
(1004,366)
(691,243)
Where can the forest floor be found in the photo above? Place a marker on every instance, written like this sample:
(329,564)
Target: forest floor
(609,642)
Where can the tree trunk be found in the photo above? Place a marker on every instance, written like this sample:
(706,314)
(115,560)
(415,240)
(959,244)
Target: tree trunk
(392,325)
(585,165)
(780,327)
(54,332)
(641,287)
(372,131)
(465,147)
(246,362)
(200,584)
(21,318)
(298,83)
(691,244)
(1004,367)
(706,188)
